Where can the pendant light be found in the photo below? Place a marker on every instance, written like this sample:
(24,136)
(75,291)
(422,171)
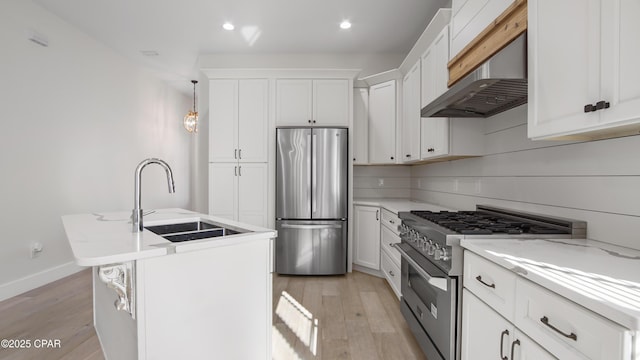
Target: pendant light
(191,119)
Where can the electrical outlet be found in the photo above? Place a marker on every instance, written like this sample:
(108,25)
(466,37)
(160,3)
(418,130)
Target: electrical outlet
(380,182)
(455,185)
(36,249)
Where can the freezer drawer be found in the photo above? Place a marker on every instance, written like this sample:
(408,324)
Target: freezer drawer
(309,247)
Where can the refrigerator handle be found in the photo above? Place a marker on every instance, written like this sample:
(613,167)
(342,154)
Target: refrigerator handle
(310,227)
(314,174)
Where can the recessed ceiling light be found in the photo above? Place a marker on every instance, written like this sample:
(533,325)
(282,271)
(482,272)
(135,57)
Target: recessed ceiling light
(228,26)
(345,25)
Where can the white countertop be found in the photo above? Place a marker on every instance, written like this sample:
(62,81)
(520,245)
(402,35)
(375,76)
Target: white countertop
(601,277)
(397,205)
(107,238)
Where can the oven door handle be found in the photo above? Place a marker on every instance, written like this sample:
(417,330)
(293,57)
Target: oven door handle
(439,282)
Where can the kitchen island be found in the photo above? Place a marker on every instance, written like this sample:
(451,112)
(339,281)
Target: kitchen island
(158,299)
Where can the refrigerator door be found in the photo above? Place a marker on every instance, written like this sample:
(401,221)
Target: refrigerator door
(311,247)
(293,173)
(329,173)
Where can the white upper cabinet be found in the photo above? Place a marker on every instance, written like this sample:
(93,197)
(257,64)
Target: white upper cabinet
(583,68)
(470,18)
(451,138)
(411,115)
(238,120)
(360,126)
(382,123)
(239,192)
(435,73)
(304,102)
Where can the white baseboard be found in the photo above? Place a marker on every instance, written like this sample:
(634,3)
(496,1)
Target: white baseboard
(33,281)
(366,270)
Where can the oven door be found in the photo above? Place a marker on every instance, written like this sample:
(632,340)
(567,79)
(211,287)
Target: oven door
(430,299)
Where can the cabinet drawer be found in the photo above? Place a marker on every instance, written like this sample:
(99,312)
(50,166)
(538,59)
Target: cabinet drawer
(391,221)
(391,271)
(386,239)
(491,283)
(566,329)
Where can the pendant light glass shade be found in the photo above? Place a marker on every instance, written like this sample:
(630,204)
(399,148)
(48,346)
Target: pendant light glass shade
(190,121)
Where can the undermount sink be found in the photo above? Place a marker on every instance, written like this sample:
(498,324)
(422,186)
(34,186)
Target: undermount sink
(194,230)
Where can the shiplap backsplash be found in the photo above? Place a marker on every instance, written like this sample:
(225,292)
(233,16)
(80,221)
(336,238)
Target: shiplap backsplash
(597,181)
(381,181)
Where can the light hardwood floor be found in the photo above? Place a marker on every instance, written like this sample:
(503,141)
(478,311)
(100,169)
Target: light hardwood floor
(355,316)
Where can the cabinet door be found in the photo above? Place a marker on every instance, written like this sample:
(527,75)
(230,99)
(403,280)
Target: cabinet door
(435,138)
(331,102)
(366,237)
(411,115)
(293,102)
(223,190)
(360,126)
(621,56)
(223,118)
(523,348)
(382,123)
(252,193)
(485,334)
(564,65)
(435,73)
(253,120)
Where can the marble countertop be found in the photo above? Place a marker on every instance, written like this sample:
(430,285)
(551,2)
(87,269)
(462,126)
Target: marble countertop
(601,277)
(106,238)
(397,205)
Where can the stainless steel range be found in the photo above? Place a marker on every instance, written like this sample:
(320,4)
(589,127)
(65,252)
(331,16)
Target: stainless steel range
(432,264)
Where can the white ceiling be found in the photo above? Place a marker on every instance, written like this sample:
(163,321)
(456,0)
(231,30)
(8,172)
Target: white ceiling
(181,30)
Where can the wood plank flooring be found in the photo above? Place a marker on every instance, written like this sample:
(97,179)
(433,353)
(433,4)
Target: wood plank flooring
(355,316)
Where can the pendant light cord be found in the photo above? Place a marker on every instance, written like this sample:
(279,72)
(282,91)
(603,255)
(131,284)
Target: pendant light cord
(194,94)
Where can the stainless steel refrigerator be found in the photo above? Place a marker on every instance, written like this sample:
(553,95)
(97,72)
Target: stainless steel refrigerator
(311,201)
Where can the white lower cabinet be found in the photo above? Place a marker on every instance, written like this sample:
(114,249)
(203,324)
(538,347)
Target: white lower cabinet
(509,317)
(390,257)
(366,236)
(238,191)
(487,335)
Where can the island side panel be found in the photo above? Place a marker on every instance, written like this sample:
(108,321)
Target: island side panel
(210,303)
(116,330)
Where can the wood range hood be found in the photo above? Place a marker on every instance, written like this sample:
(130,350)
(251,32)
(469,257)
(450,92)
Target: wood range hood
(489,75)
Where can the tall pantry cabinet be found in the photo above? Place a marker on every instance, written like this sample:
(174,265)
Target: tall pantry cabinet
(238,153)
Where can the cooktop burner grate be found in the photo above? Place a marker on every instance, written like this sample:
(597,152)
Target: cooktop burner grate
(479,223)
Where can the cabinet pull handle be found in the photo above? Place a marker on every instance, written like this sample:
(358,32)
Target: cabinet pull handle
(239,170)
(479,278)
(513,347)
(235,171)
(314,121)
(235,153)
(431,150)
(572,336)
(392,158)
(377,212)
(602,105)
(309,121)
(506,332)
(589,108)
(391,221)
(391,273)
(408,155)
(240,154)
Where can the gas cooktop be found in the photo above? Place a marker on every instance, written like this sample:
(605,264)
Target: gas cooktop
(482,223)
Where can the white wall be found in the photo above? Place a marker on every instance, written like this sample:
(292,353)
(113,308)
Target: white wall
(76,118)
(597,181)
(382,181)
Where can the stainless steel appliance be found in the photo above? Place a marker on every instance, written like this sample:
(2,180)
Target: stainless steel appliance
(497,85)
(432,262)
(311,201)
